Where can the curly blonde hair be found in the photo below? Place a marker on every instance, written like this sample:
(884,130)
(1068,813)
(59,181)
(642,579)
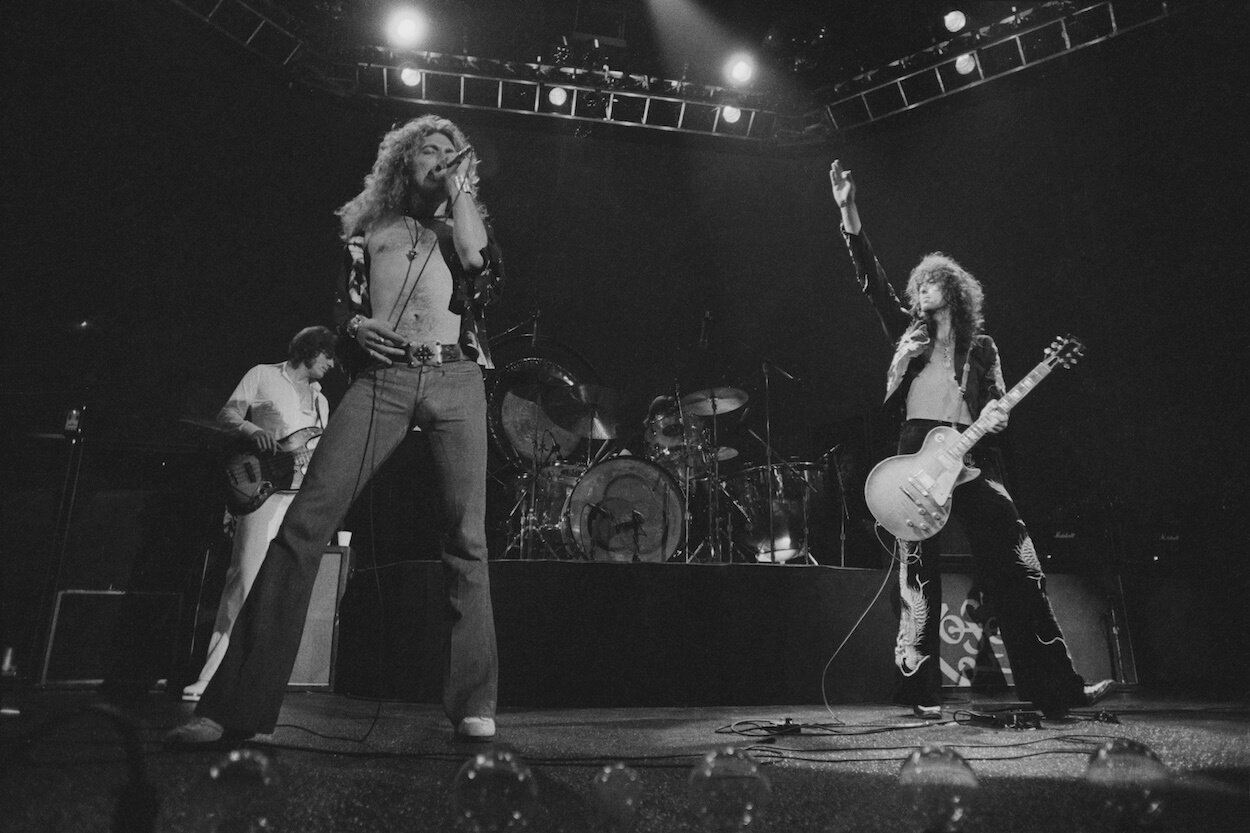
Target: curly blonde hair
(963,292)
(388,187)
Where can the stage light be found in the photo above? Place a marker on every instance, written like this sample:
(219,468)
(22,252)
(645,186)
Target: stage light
(954,20)
(740,69)
(558,96)
(495,790)
(406,28)
(965,64)
(410,75)
(615,793)
(938,785)
(727,790)
(730,114)
(1130,785)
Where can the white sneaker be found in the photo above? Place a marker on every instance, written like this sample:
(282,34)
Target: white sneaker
(476,728)
(193,692)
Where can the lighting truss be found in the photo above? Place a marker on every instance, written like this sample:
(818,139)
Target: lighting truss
(602,96)
(1028,38)
(465,82)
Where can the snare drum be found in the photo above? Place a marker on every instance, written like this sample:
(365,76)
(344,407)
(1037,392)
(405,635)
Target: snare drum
(625,509)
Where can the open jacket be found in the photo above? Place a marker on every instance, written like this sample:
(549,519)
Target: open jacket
(985,376)
(472,293)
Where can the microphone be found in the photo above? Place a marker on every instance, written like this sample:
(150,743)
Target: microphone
(703,328)
(534,335)
(455,160)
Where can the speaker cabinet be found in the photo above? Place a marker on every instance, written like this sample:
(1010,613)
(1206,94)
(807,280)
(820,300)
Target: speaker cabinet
(318,647)
(1090,611)
(111,635)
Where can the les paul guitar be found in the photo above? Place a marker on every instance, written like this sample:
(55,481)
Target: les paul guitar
(252,477)
(910,494)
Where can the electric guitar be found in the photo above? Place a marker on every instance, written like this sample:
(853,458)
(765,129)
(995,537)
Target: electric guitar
(910,494)
(251,477)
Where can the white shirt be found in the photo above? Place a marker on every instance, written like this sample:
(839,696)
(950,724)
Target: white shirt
(268,399)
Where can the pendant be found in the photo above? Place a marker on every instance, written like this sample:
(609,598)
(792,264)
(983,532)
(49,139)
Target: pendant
(412,253)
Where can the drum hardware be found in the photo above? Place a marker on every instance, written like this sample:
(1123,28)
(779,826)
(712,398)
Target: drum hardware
(765,366)
(773,500)
(712,402)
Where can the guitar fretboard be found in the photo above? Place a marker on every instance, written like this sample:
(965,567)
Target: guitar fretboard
(977,430)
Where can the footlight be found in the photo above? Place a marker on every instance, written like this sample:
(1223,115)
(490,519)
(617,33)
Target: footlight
(727,790)
(1129,784)
(494,791)
(615,794)
(938,786)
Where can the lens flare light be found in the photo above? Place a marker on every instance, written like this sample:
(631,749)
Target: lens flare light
(406,28)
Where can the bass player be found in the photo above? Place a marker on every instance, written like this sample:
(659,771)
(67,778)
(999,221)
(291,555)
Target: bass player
(946,371)
(271,401)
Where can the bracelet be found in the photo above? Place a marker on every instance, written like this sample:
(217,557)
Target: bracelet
(354,325)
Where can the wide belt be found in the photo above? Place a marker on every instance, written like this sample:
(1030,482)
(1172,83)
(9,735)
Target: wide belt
(431,353)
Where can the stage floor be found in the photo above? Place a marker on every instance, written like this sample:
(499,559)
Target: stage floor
(347,764)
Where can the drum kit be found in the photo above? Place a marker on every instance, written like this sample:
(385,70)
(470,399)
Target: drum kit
(670,502)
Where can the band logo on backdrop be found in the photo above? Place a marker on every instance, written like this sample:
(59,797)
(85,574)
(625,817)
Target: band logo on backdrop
(972,652)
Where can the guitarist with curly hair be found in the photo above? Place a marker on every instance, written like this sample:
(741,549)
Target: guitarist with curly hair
(946,372)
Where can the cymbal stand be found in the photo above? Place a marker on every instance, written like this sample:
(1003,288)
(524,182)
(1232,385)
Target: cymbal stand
(768,447)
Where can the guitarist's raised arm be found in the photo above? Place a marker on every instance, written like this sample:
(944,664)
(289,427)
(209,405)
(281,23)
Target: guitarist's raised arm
(872,278)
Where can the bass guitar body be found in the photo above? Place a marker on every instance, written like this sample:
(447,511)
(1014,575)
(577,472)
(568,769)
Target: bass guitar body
(910,494)
(251,478)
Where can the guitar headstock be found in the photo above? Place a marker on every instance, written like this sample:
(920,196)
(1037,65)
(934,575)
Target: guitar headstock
(1064,351)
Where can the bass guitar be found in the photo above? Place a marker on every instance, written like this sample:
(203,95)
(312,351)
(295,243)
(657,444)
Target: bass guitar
(252,477)
(910,494)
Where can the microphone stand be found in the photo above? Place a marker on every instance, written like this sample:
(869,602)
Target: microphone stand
(768,470)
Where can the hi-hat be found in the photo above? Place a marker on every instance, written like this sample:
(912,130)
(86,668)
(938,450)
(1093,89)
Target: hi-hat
(714,401)
(585,410)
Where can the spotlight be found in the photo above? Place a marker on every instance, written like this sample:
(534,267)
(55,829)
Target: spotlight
(406,28)
(954,20)
(965,64)
(558,96)
(410,75)
(740,69)
(730,114)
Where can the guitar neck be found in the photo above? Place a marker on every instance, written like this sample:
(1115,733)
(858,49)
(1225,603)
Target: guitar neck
(977,430)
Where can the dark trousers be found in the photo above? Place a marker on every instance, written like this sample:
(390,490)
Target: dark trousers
(448,403)
(1010,575)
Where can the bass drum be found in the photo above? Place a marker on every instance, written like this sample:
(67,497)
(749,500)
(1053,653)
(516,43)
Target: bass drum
(626,509)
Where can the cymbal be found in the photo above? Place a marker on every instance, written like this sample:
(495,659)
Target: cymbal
(585,410)
(714,400)
(726,453)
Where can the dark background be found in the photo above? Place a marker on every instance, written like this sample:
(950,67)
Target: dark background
(177,194)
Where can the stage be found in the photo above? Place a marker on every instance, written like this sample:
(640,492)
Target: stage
(345,764)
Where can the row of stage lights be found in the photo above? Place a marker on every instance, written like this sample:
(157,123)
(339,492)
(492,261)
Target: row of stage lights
(1125,787)
(408,28)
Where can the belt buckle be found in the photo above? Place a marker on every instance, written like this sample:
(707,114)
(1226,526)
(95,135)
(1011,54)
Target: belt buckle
(428,354)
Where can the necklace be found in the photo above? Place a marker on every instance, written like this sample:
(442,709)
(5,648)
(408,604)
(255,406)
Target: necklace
(414,235)
(946,353)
